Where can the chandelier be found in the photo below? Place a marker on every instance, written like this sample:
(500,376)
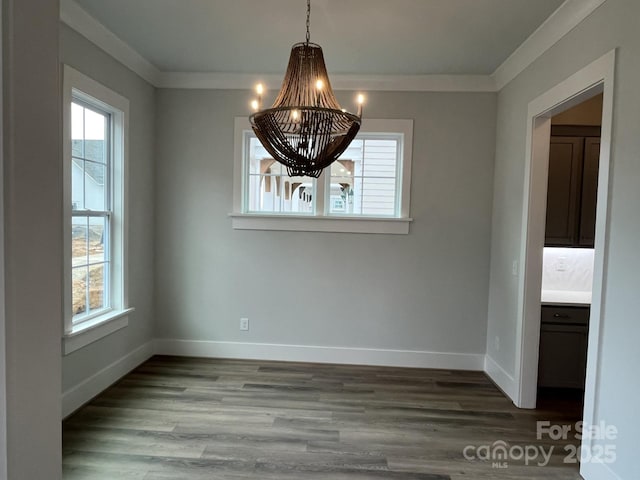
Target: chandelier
(306,129)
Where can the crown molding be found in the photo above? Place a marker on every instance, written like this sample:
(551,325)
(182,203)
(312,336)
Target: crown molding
(413,83)
(569,15)
(559,24)
(82,22)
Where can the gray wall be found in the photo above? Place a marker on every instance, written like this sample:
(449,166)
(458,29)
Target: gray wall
(82,55)
(614,24)
(3,353)
(33,237)
(423,291)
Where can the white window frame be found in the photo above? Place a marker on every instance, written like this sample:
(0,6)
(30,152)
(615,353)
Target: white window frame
(322,220)
(79,86)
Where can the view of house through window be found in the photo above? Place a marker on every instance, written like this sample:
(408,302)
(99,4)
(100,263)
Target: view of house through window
(271,190)
(364,181)
(91,209)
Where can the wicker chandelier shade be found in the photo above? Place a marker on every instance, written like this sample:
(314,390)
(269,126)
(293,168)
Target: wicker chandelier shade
(306,129)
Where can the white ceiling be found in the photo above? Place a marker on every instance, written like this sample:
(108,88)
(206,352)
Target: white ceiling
(387,37)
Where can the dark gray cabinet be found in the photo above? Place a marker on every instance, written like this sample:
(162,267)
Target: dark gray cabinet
(589,192)
(572,189)
(563,347)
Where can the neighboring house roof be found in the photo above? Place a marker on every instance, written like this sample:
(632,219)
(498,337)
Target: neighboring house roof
(92,150)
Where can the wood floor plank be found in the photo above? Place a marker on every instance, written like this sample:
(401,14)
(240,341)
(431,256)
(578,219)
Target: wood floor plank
(194,418)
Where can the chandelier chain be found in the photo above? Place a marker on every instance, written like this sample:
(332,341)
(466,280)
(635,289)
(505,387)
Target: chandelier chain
(308,22)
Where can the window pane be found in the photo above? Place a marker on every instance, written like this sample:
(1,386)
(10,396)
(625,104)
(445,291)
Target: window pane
(96,286)
(341,196)
(363,179)
(269,187)
(264,193)
(379,158)
(364,196)
(79,239)
(79,290)
(281,194)
(94,186)
(96,239)
(259,159)
(95,136)
(77,184)
(296,195)
(378,196)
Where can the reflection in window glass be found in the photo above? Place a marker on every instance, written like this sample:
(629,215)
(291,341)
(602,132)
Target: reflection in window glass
(271,190)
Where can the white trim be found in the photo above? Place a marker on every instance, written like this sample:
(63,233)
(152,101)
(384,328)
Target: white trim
(241,124)
(320,354)
(597,76)
(404,83)
(95,329)
(500,377)
(559,24)
(570,14)
(299,223)
(597,471)
(80,394)
(82,22)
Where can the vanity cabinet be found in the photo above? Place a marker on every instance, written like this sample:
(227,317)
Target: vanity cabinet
(572,187)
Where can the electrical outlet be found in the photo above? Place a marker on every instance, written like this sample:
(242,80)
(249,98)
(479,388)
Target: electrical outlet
(244,324)
(561,266)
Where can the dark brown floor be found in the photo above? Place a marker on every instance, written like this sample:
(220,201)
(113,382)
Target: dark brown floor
(188,418)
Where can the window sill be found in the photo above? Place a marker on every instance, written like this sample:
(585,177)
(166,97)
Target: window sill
(95,329)
(306,223)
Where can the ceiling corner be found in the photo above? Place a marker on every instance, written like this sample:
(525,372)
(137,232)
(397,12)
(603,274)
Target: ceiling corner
(82,22)
(569,15)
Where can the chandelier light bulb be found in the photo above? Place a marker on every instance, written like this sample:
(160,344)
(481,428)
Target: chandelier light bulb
(255,105)
(295,115)
(259,89)
(360,99)
(319,84)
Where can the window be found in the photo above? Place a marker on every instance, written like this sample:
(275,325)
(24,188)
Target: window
(95,122)
(365,191)
(91,212)
(365,179)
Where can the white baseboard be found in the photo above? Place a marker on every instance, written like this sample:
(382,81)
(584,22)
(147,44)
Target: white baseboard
(501,378)
(317,354)
(77,396)
(597,471)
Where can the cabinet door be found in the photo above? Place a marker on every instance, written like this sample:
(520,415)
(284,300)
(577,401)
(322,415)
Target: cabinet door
(563,356)
(563,190)
(589,191)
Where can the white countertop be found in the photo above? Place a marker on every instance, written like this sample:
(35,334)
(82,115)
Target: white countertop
(566,298)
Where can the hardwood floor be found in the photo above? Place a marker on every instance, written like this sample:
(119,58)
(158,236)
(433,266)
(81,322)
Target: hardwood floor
(190,418)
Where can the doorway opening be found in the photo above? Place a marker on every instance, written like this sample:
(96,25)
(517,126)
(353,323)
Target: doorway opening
(594,79)
(568,256)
